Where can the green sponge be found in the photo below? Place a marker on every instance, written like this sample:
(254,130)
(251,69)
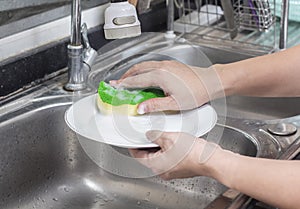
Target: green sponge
(116,97)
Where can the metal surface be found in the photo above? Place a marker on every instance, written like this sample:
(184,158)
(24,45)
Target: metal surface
(284,24)
(229,17)
(16,4)
(81,55)
(256,14)
(236,31)
(44,166)
(77,73)
(75,38)
(170,17)
(282,129)
(89,54)
(17,16)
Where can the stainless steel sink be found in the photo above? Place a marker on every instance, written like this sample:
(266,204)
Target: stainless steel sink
(43,164)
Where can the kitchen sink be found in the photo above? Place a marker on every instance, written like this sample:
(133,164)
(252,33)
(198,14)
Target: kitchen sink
(44,164)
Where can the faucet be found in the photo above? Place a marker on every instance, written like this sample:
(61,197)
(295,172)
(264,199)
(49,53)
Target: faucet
(81,55)
(284,24)
(120,22)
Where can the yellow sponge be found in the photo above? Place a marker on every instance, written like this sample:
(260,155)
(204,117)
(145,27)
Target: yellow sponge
(125,109)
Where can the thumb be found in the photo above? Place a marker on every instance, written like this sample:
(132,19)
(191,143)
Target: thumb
(157,104)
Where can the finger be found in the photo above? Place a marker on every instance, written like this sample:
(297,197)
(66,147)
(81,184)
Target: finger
(138,81)
(157,104)
(154,135)
(142,156)
(114,83)
(163,139)
(143,153)
(138,153)
(142,67)
(147,157)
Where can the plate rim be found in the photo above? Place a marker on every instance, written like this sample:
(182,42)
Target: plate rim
(131,145)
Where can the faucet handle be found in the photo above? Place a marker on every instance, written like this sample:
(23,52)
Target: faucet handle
(84,36)
(89,54)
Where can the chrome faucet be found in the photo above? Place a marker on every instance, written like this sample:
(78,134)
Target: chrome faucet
(81,55)
(284,24)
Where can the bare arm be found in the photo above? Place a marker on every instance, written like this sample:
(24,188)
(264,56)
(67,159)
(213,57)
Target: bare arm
(275,182)
(271,75)
(272,181)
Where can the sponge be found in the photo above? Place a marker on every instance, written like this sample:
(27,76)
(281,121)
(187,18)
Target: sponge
(125,102)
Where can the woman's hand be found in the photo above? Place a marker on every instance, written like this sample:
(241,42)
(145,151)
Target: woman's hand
(180,155)
(185,87)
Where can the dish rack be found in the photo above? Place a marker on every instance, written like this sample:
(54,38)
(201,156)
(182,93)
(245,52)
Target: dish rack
(248,24)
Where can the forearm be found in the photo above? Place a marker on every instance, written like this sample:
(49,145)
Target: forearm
(271,75)
(272,181)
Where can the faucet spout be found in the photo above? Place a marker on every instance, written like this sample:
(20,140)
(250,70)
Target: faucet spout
(75,38)
(81,56)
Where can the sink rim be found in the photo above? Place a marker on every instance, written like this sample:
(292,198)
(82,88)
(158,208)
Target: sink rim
(57,96)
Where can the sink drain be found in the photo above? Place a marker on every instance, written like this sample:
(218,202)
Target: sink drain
(282,129)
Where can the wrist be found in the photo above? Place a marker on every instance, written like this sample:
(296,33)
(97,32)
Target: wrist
(220,164)
(223,166)
(226,77)
(210,83)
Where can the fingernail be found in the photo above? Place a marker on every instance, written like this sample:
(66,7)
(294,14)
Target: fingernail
(141,109)
(113,83)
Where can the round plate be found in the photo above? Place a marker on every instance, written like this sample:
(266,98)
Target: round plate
(85,119)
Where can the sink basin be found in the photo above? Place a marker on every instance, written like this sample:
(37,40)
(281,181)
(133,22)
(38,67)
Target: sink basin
(44,165)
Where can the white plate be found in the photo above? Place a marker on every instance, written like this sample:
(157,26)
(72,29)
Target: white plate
(85,119)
